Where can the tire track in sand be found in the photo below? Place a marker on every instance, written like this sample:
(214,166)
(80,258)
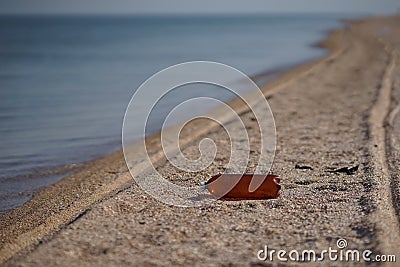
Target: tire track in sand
(385,215)
(392,147)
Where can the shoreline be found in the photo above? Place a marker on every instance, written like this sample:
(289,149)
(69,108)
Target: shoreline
(71,182)
(36,221)
(60,172)
(83,138)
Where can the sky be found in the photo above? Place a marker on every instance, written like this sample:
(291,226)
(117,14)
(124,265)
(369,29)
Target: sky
(196,6)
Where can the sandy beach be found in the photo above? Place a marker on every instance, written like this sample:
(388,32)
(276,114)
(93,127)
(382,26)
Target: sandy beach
(338,126)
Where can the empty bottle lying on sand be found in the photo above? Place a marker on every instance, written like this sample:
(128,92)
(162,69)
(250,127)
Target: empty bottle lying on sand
(243,186)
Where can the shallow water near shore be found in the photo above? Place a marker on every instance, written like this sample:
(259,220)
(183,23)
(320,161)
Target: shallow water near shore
(66,81)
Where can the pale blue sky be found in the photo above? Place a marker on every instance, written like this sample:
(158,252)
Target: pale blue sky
(197,6)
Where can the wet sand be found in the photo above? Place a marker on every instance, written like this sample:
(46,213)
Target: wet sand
(337,124)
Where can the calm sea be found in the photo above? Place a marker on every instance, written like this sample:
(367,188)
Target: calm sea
(65,81)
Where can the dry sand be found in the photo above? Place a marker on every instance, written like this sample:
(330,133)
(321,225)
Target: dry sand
(341,111)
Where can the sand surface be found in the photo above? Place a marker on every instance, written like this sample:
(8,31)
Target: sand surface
(339,112)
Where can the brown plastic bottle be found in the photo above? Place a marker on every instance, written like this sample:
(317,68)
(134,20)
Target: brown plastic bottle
(237,186)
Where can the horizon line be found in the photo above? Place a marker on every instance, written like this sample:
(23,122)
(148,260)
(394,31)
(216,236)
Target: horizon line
(195,13)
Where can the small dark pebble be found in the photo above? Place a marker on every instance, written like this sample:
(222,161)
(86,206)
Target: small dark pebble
(305,182)
(113,172)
